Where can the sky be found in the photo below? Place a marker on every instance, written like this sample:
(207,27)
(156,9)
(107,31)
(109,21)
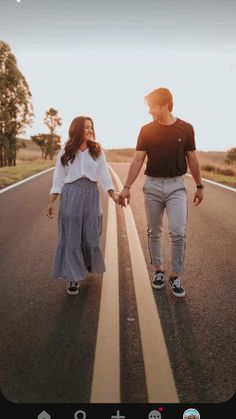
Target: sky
(100,58)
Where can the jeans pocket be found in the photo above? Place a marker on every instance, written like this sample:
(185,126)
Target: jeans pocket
(147,183)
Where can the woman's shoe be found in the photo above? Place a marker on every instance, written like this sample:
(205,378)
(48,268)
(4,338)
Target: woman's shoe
(73,288)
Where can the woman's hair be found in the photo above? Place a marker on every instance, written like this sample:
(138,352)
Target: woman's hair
(76,138)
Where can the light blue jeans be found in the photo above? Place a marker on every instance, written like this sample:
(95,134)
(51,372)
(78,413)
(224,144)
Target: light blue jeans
(168,193)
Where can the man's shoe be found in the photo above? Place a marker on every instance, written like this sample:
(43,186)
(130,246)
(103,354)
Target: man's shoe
(73,288)
(176,287)
(158,280)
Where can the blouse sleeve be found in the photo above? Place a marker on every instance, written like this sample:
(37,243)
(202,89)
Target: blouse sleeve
(58,175)
(104,175)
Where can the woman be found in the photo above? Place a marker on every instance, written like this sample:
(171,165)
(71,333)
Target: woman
(79,166)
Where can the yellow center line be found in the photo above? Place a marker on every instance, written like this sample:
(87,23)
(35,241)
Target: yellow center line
(159,377)
(106,373)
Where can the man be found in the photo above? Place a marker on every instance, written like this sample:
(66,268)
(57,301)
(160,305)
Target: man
(169,145)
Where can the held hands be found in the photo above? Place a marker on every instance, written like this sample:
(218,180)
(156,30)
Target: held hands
(122,198)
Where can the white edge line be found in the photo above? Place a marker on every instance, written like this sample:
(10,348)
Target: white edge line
(216,184)
(25,180)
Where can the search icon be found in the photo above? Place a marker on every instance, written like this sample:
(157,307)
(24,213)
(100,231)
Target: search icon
(78,414)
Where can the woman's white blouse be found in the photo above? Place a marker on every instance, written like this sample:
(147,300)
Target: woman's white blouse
(83,166)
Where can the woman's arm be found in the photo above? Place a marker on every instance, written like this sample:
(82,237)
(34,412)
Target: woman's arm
(59,175)
(53,197)
(105,176)
(58,182)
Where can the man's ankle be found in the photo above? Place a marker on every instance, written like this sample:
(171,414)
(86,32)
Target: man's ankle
(174,275)
(159,269)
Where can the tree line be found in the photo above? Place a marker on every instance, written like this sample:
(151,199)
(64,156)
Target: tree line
(17,112)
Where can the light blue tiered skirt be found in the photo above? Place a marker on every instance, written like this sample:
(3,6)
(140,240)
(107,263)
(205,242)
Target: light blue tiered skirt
(79,229)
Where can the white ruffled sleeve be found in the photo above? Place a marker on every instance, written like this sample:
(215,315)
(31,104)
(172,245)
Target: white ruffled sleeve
(58,175)
(104,174)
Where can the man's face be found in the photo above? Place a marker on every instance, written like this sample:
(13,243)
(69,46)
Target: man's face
(156,110)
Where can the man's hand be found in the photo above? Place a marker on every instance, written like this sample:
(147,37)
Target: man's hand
(124,197)
(116,198)
(198,197)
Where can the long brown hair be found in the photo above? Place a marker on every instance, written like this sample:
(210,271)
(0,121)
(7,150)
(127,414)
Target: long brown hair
(76,138)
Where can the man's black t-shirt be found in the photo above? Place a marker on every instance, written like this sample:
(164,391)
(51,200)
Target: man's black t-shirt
(166,147)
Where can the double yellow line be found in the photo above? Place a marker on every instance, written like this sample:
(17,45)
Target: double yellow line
(106,375)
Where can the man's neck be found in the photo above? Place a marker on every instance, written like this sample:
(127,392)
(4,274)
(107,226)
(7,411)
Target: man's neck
(167,119)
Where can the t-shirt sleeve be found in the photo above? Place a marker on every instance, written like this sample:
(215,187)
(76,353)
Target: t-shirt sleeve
(140,142)
(190,144)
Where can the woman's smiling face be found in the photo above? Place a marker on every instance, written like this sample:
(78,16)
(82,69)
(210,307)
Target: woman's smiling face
(88,130)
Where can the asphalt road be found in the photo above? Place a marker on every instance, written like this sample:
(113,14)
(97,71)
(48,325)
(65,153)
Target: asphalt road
(48,338)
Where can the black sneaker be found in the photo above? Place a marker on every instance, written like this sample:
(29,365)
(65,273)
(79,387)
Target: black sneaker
(158,280)
(73,288)
(176,287)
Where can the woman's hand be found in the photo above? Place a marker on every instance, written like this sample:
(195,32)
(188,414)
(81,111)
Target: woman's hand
(115,197)
(50,210)
(118,200)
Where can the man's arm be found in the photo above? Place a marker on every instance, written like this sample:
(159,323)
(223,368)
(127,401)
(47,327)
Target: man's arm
(134,170)
(194,168)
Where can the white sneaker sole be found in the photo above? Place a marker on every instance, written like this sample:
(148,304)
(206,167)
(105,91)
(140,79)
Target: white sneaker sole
(158,287)
(177,295)
(74,292)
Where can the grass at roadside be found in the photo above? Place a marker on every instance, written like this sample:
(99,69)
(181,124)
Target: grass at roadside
(216,177)
(22,170)
(29,162)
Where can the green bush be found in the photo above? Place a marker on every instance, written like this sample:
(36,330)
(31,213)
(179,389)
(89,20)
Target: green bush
(213,169)
(226,172)
(231,156)
(208,168)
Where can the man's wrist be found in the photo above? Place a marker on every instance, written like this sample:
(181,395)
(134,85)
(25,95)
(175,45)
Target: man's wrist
(200,186)
(126,187)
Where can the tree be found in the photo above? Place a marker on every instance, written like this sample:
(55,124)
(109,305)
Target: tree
(52,145)
(16,109)
(231,156)
(52,120)
(49,143)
